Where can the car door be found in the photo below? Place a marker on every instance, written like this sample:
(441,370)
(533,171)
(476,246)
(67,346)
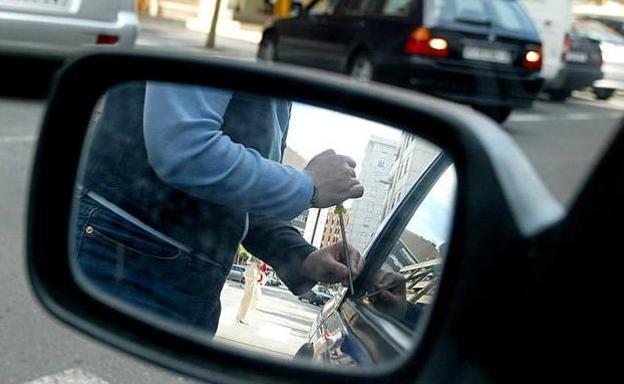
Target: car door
(338,31)
(299,39)
(374,325)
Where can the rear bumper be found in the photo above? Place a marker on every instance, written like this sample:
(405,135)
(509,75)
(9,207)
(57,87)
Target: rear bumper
(462,82)
(49,30)
(573,77)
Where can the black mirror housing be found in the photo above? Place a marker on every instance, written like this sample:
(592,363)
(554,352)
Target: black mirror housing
(501,205)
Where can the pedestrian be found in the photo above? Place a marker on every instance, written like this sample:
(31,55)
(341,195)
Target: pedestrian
(177,177)
(254,276)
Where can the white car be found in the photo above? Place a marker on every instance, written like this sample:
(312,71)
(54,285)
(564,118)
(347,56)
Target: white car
(68,23)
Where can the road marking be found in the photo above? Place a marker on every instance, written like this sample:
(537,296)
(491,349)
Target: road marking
(70,376)
(580,116)
(17,139)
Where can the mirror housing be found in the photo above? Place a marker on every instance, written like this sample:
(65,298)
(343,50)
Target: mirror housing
(500,203)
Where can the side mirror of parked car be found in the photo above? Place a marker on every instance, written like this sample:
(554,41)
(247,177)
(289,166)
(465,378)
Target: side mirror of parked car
(166,164)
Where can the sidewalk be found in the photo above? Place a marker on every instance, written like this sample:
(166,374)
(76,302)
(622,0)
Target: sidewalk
(170,34)
(278,326)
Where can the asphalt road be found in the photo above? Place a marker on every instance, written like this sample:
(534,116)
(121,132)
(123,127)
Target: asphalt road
(563,142)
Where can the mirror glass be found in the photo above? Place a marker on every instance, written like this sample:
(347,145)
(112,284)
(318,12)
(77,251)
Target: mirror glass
(264,225)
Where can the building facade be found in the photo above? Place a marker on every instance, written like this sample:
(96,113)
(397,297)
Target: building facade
(331,232)
(412,159)
(367,212)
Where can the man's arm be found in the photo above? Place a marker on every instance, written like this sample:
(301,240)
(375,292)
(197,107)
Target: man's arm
(299,264)
(280,245)
(188,150)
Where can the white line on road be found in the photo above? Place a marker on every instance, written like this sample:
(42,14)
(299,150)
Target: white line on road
(17,139)
(527,118)
(70,376)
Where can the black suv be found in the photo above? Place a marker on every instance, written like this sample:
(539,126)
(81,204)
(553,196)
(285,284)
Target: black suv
(485,53)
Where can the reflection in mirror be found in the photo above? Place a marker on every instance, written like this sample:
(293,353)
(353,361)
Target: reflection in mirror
(263,225)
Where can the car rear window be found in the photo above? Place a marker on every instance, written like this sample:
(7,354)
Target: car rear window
(596,30)
(504,14)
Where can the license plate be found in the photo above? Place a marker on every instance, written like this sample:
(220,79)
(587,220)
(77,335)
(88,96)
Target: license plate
(490,55)
(39,4)
(577,57)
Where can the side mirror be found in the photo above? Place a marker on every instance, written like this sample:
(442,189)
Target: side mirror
(130,245)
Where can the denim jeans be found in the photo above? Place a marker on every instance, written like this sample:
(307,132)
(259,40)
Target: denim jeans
(141,269)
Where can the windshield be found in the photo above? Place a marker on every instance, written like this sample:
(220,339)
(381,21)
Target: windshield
(503,14)
(598,31)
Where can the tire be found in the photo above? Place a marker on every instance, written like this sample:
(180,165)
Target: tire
(603,93)
(498,114)
(559,95)
(362,68)
(267,51)
(243,281)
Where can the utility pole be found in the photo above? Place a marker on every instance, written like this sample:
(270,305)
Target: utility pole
(212,33)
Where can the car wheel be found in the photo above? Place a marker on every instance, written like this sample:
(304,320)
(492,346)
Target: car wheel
(498,114)
(603,93)
(362,68)
(242,280)
(559,95)
(267,50)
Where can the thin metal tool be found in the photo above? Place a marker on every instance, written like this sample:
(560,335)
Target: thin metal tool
(339,211)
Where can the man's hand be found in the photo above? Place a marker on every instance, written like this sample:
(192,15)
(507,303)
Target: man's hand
(334,178)
(392,301)
(329,265)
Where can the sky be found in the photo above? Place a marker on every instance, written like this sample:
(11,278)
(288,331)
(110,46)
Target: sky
(313,130)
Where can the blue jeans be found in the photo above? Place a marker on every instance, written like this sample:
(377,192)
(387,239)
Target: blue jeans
(143,270)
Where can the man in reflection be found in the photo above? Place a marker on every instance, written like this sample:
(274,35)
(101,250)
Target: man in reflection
(176,177)
(388,294)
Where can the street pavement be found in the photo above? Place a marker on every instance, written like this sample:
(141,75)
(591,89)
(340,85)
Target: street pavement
(277,327)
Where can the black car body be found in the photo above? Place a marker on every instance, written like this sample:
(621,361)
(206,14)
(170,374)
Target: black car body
(350,330)
(583,62)
(485,53)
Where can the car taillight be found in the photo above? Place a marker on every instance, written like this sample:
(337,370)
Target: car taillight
(107,39)
(421,42)
(532,59)
(567,45)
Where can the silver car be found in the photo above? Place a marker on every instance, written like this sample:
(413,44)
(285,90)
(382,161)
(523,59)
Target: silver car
(68,23)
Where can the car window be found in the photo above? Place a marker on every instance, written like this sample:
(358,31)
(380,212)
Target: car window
(504,14)
(597,31)
(397,8)
(322,7)
(352,7)
(509,15)
(409,272)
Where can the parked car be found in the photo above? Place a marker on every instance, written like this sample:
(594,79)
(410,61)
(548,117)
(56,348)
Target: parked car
(273,281)
(487,55)
(612,46)
(237,273)
(583,63)
(68,23)
(346,322)
(318,295)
